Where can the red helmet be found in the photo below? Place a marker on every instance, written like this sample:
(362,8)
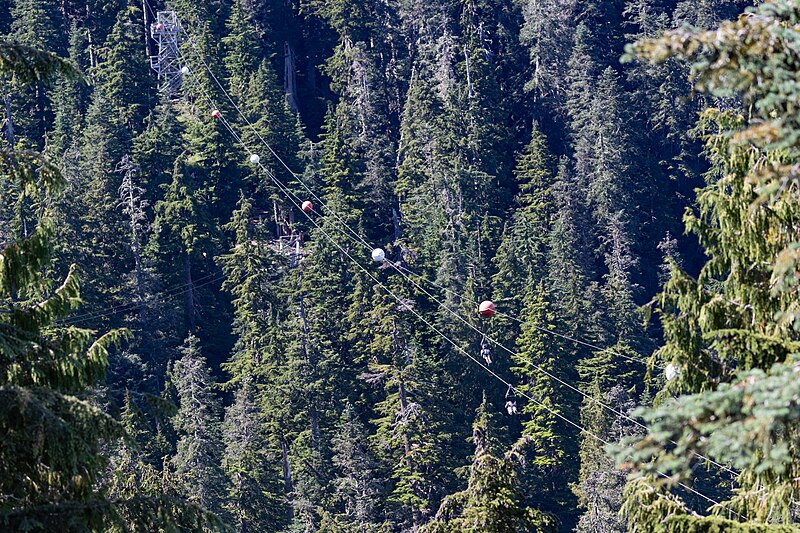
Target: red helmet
(487,309)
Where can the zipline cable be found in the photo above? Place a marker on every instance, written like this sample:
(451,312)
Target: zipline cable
(434,298)
(289,194)
(441,304)
(399,300)
(293,198)
(360,238)
(159,297)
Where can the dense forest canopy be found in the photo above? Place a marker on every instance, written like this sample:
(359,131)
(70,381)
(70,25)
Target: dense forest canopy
(243,245)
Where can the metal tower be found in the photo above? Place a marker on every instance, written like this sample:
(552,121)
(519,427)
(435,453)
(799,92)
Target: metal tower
(166,32)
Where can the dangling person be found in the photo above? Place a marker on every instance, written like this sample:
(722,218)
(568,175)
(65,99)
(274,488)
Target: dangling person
(511,407)
(486,352)
(511,403)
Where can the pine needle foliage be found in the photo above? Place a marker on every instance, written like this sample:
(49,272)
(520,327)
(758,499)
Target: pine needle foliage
(732,332)
(51,454)
(492,501)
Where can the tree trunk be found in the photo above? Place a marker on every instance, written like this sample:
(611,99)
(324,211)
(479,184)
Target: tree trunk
(287,474)
(148,43)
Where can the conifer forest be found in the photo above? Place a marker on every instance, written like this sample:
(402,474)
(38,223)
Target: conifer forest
(427,266)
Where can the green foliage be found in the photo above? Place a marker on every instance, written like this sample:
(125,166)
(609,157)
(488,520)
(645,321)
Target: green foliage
(32,65)
(252,272)
(492,501)
(51,452)
(743,320)
(547,33)
(689,524)
(122,75)
(741,424)
(643,492)
(549,440)
(255,501)
(731,332)
(35,26)
(250,462)
(522,254)
(197,422)
(345,412)
(357,485)
(54,434)
(242,45)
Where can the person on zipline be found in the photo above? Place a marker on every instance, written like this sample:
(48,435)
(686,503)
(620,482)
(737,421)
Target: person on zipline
(486,352)
(511,402)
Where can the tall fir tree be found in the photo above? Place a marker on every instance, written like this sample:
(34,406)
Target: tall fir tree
(492,501)
(357,483)
(540,361)
(197,423)
(729,333)
(547,32)
(252,453)
(38,24)
(521,257)
(255,498)
(56,434)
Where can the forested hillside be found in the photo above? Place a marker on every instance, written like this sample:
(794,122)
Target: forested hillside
(400,265)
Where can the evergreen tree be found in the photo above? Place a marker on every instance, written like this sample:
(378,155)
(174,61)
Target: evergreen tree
(521,257)
(357,486)
(99,222)
(256,493)
(114,115)
(411,434)
(252,271)
(609,189)
(704,14)
(269,119)
(451,161)
(273,124)
(547,32)
(243,50)
(156,149)
(601,483)
(38,24)
(134,469)
(69,99)
(156,320)
(197,422)
(122,74)
(492,501)
(327,365)
(254,500)
(730,319)
(602,161)
(580,79)
(52,452)
(569,265)
(549,440)
(668,154)
(183,230)
(362,73)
